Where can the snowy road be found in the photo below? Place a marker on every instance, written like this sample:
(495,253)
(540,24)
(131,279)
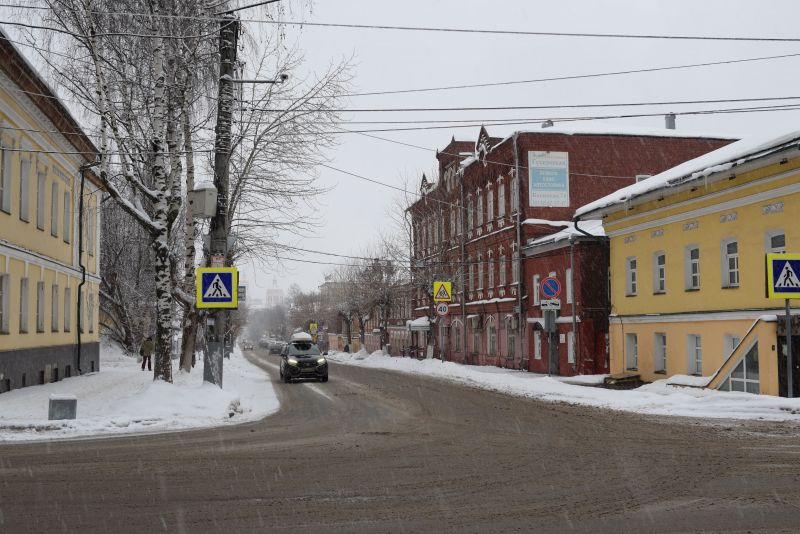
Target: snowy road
(377,451)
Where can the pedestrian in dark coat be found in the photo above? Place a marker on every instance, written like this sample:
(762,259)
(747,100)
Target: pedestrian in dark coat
(147,353)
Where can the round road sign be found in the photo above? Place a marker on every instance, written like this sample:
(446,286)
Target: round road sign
(442,309)
(551,288)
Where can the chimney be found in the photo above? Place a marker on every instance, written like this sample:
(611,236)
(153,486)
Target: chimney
(670,120)
(547,124)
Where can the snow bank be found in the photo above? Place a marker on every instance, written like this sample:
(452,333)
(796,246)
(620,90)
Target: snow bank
(122,398)
(658,398)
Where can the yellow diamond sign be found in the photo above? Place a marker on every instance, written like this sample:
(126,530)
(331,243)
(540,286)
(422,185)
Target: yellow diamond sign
(442,292)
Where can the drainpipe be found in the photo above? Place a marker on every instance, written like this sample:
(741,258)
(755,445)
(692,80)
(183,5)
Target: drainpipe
(464,267)
(519,248)
(575,345)
(83,169)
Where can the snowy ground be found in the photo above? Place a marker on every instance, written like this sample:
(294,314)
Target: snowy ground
(657,398)
(123,399)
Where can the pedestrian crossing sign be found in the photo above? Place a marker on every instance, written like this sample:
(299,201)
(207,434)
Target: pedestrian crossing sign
(442,292)
(783,276)
(217,287)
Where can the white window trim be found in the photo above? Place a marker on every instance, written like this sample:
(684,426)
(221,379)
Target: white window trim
(41,184)
(54,307)
(25,190)
(632,351)
(658,279)
(631,279)
(568,284)
(536,289)
(55,198)
(687,268)
(768,235)
(694,347)
(659,352)
(24,305)
(724,263)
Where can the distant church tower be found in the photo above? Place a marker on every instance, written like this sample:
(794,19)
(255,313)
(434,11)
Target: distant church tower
(274,294)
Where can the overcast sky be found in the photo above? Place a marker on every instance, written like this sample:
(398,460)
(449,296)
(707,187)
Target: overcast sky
(355,210)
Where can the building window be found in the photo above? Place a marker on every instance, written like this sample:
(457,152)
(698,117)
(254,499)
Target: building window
(25,189)
(490,267)
(515,268)
(536,289)
(775,242)
(40,194)
(731,342)
(511,339)
(476,342)
(502,266)
(90,309)
(730,264)
(630,276)
(5,178)
(501,199)
(40,306)
(571,347)
(67,217)
(469,213)
(568,276)
(492,341)
(692,267)
(471,273)
(480,273)
(660,353)
(479,211)
(459,218)
(694,353)
(456,337)
(659,272)
(4,304)
(67,309)
(453,216)
(54,308)
(744,376)
(489,204)
(631,352)
(537,345)
(23,306)
(514,194)
(54,210)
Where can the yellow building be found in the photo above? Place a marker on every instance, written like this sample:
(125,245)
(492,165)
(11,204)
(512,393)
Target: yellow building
(42,151)
(688,287)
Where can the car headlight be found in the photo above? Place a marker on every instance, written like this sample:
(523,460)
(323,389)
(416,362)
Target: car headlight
(321,361)
(291,361)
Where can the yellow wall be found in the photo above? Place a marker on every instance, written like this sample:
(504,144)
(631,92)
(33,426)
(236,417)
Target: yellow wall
(36,251)
(658,225)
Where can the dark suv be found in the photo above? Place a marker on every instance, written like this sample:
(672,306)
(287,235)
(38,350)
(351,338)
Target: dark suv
(302,359)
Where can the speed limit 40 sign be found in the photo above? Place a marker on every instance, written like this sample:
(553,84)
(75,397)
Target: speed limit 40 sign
(442,309)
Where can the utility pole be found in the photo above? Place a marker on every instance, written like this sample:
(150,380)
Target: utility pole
(217,337)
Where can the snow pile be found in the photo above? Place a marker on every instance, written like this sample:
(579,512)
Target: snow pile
(718,160)
(658,398)
(122,398)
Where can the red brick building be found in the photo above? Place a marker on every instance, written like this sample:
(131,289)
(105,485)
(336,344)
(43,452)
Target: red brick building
(488,223)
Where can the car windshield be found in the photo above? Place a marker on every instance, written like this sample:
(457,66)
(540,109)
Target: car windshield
(303,349)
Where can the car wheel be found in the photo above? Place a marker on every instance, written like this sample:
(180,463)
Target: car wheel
(324,378)
(286,379)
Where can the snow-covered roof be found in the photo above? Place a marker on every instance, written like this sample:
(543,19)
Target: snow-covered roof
(593,227)
(716,161)
(419,324)
(607,129)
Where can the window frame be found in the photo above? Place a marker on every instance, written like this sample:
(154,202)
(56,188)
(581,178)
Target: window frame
(24,189)
(40,307)
(631,280)
(632,351)
(24,305)
(726,257)
(660,352)
(41,184)
(5,303)
(659,272)
(5,176)
(537,281)
(694,354)
(689,263)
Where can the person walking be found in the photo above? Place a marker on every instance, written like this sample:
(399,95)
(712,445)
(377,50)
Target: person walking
(146,351)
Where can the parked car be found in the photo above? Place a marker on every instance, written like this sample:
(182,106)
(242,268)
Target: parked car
(301,358)
(247,344)
(263,342)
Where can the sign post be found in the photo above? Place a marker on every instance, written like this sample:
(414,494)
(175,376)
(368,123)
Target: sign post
(783,283)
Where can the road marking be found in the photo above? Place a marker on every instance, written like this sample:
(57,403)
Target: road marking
(313,387)
(316,389)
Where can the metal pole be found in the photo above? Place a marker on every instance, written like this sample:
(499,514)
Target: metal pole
(218,231)
(789,377)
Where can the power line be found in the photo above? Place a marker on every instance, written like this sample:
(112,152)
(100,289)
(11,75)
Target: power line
(218,16)
(572,77)
(553,106)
